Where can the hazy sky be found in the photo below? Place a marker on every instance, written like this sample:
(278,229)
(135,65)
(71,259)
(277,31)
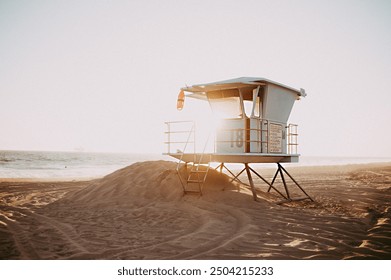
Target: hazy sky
(104,75)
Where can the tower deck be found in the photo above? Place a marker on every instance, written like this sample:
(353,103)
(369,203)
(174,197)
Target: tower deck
(205,158)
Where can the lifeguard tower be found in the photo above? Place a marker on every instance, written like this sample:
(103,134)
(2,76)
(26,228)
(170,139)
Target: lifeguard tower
(254,129)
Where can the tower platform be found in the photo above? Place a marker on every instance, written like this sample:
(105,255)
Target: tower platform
(205,158)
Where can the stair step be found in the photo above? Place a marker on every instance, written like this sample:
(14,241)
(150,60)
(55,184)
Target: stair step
(196,175)
(192,192)
(195,181)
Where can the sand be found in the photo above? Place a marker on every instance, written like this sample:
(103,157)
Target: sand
(139,212)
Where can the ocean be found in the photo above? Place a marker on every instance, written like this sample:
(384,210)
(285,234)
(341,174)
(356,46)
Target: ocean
(83,165)
(64,165)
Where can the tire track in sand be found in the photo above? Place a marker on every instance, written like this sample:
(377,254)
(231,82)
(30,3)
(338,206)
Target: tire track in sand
(214,232)
(26,244)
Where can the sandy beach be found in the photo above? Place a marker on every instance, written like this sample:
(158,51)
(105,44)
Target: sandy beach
(139,212)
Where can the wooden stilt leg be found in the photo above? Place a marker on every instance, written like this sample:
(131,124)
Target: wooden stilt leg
(219,166)
(274,178)
(250,179)
(297,184)
(283,181)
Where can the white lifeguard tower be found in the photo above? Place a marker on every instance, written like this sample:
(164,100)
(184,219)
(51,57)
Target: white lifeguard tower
(254,129)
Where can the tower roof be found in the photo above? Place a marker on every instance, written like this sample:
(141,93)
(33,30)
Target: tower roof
(242,82)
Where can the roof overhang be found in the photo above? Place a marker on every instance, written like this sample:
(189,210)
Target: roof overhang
(199,91)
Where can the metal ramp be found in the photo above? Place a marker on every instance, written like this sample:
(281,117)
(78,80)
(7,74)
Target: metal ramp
(192,172)
(195,177)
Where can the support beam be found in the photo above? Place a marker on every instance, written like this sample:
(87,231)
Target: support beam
(279,173)
(235,178)
(297,184)
(270,185)
(250,179)
(283,181)
(274,178)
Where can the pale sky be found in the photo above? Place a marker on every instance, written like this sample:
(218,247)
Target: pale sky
(104,75)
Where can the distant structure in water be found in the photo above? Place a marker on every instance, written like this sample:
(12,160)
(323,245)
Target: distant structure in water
(254,129)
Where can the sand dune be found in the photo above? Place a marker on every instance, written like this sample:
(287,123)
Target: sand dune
(139,212)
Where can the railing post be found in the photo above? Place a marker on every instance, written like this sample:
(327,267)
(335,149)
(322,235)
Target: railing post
(292,138)
(194,136)
(169,137)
